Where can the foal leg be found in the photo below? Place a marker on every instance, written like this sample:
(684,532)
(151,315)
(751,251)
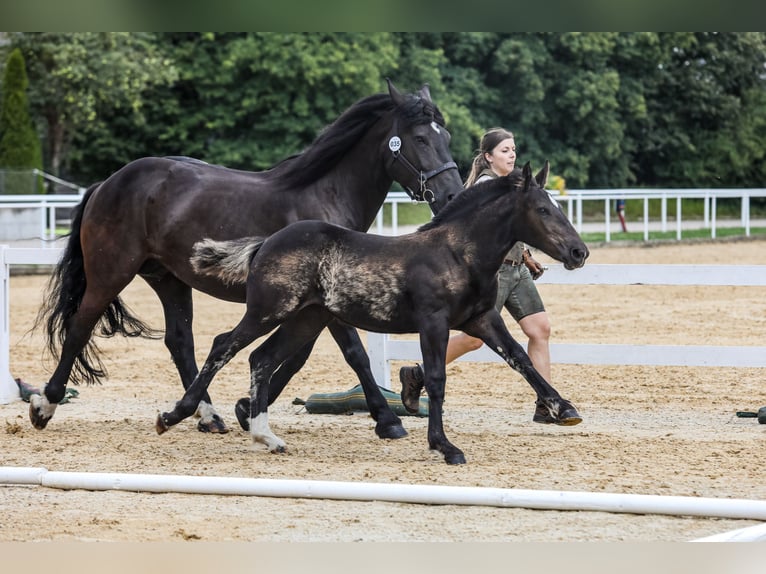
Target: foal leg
(176,299)
(284,342)
(279,380)
(491,329)
(225,347)
(389,425)
(433,346)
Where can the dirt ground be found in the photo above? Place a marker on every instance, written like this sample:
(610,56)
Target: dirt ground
(659,431)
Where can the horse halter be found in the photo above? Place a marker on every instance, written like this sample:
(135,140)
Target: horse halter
(424,193)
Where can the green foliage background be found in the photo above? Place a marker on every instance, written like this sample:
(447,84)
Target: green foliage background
(609,110)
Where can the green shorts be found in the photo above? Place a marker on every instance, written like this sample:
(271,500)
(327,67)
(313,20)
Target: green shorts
(517,292)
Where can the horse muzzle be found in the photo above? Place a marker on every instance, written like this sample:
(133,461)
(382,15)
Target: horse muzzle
(576,258)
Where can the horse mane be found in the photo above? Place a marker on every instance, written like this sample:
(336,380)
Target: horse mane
(336,139)
(486,190)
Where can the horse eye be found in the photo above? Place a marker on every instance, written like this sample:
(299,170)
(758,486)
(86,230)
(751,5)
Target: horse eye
(421,140)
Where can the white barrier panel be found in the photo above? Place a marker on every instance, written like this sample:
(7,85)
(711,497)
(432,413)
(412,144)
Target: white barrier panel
(9,391)
(382,349)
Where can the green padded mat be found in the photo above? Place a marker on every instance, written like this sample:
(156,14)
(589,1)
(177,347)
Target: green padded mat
(353,400)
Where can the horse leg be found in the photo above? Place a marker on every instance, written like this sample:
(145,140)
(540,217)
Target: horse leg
(491,329)
(225,347)
(389,425)
(177,305)
(433,345)
(289,339)
(79,328)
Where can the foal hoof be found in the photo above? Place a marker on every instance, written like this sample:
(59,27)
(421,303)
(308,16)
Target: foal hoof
(566,416)
(216,425)
(160,425)
(569,417)
(36,416)
(242,410)
(394,430)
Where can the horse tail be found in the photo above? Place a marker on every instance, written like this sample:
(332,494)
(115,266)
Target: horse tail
(63,297)
(227,260)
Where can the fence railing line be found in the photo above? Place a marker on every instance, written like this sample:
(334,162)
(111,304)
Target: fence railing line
(383,349)
(572,202)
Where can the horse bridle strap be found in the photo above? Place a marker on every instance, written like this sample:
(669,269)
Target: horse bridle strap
(424,193)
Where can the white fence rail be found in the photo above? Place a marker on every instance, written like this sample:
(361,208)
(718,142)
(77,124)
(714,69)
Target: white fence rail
(46,206)
(574,199)
(572,202)
(383,349)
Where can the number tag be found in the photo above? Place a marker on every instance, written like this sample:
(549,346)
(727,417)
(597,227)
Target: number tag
(394,143)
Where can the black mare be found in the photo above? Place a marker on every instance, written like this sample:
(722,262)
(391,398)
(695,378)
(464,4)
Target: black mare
(441,277)
(146,217)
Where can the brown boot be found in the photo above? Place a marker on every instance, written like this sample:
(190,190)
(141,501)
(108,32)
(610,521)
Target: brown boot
(412,383)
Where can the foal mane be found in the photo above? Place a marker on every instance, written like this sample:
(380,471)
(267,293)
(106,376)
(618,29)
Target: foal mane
(487,191)
(335,140)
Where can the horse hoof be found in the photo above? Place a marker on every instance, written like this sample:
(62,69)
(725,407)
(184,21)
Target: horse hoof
(242,410)
(568,418)
(161,426)
(455,458)
(278,450)
(216,426)
(36,417)
(390,431)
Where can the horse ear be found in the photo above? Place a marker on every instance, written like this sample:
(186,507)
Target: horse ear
(542,176)
(394,93)
(526,171)
(425,92)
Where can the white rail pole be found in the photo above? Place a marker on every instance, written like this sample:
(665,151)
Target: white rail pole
(391,492)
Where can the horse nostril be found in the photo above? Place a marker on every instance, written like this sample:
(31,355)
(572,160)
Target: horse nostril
(580,254)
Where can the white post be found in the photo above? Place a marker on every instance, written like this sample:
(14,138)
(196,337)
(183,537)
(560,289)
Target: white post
(646,218)
(9,391)
(377,350)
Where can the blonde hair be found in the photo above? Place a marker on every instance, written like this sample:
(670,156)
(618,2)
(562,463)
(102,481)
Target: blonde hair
(489,141)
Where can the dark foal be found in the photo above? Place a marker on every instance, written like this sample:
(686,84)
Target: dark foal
(145,219)
(441,277)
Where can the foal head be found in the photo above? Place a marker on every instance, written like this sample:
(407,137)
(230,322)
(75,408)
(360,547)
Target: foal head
(541,223)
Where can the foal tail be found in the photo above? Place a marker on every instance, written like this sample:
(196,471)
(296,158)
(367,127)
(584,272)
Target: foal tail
(229,261)
(63,296)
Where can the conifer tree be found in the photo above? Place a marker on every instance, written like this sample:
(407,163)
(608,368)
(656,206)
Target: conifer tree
(20,147)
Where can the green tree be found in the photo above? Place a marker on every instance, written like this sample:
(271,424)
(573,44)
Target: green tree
(246,100)
(705,111)
(74,76)
(20,147)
